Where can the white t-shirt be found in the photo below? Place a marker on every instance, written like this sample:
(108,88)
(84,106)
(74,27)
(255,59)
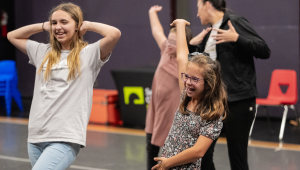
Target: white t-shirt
(210,46)
(61,109)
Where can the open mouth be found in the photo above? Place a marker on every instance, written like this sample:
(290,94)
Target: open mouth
(190,89)
(60,34)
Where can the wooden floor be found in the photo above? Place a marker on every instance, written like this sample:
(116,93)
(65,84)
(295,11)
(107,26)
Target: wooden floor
(137,132)
(114,148)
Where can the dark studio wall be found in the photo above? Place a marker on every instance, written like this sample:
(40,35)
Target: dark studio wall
(277,22)
(7,50)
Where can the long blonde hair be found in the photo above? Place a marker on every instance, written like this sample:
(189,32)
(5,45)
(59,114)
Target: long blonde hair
(213,103)
(77,44)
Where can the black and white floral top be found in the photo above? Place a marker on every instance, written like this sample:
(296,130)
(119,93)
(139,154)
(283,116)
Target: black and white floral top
(185,132)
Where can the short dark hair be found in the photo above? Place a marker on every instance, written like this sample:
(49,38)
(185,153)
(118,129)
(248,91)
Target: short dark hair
(219,5)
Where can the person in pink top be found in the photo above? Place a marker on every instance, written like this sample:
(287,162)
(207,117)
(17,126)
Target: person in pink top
(165,89)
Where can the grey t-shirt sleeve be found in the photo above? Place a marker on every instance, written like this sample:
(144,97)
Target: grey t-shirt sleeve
(91,55)
(35,51)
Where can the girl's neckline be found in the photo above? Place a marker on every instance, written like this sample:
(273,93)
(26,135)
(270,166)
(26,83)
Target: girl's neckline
(189,110)
(65,51)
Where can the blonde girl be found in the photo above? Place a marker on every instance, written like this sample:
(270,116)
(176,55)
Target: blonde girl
(66,70)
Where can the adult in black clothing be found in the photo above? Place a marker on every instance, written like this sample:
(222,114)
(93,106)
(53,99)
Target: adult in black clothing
(233,42)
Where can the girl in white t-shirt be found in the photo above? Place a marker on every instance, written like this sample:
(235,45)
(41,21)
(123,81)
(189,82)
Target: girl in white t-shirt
(66,70)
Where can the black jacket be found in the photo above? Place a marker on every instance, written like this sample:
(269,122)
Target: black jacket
(236,58)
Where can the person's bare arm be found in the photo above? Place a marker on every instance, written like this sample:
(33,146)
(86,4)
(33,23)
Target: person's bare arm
(182,48)
(198,39)
(156,28)
(186,156)
(20,36)
(111,36)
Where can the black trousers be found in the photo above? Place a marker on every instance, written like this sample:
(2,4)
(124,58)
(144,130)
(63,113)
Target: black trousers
(237,127)
(152,151)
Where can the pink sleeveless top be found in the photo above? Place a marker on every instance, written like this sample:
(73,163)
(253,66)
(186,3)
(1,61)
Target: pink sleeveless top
(165,98)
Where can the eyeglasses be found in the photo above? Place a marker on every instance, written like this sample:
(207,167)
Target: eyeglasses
(194,80)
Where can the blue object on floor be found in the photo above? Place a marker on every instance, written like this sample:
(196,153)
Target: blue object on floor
(9,84)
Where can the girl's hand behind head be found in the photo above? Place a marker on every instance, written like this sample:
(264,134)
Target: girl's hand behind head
(46,26)
(84,28)
(178,22)
(155,8)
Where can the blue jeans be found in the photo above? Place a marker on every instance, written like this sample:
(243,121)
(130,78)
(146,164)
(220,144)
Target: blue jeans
(52,155)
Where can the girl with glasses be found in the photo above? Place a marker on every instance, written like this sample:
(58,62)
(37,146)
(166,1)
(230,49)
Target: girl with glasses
(198,120)
(66,69)
(165,89)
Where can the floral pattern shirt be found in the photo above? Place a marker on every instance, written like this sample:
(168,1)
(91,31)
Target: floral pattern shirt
(185,132)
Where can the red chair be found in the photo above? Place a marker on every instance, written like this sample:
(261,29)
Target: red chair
(278,98)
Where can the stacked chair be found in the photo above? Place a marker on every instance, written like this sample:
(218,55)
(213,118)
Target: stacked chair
(9,84)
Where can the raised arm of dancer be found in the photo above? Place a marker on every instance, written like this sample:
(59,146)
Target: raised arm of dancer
(182,48)
(186,156)
(111,36)
(156,28)
(20,36)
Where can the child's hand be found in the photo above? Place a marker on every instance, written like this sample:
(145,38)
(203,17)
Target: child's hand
(178,22)
(155,8)
(161,165)
(84,28)
(198,39)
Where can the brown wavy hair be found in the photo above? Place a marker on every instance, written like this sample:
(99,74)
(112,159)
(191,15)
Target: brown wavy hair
(77,44)
(213,102)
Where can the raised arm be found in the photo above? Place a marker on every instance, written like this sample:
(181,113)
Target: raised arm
(111,36)
(20,36)
(186,156)
(198,39)
(156,28)
(182,48)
